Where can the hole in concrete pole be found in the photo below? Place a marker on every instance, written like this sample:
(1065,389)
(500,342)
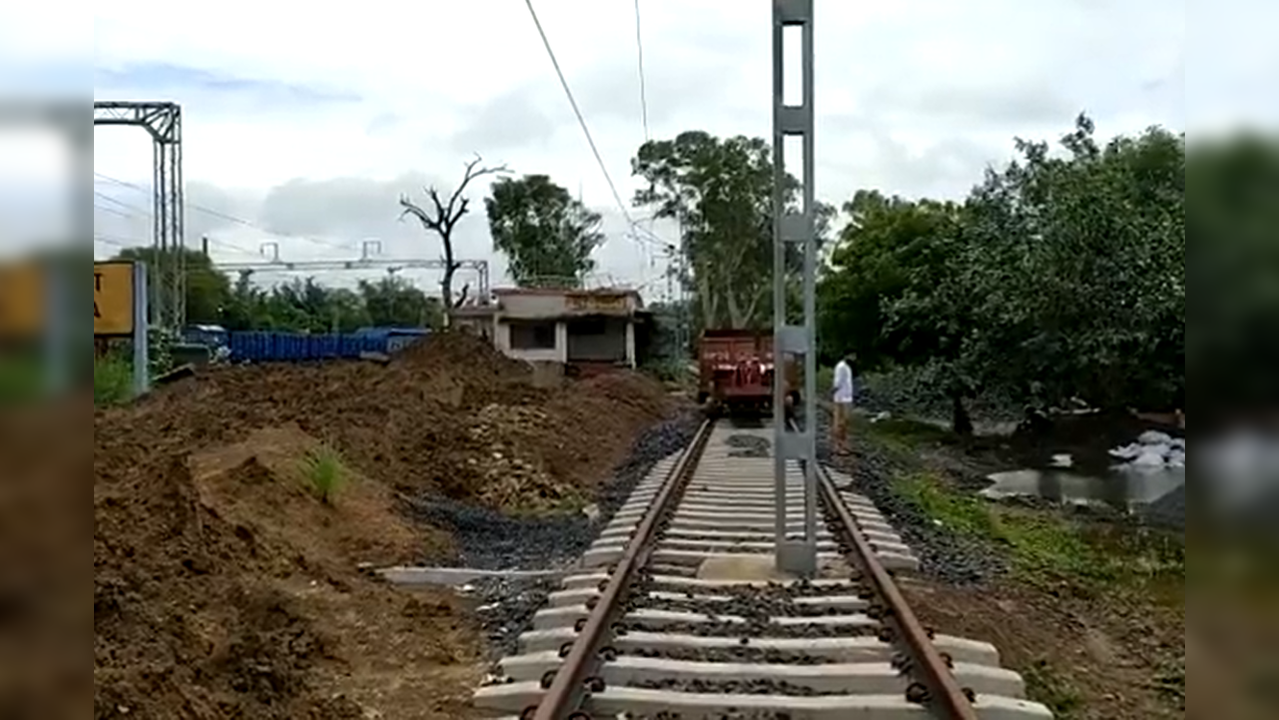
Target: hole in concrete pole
(793,147)
(793,65)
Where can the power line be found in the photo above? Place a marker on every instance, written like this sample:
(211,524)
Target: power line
(114,211)
(581,120)
(121,203)
(217,214)
(639,47)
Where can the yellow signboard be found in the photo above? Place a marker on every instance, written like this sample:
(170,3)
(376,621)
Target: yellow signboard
(21,299)
(112,298)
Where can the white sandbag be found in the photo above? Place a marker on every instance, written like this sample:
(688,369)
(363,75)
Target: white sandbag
(1149,459)
(1127,452)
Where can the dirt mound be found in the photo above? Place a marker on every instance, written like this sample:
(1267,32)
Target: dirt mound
(462,350)
(223,587)
(451,415)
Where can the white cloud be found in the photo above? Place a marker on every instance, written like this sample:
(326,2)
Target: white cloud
(324,113)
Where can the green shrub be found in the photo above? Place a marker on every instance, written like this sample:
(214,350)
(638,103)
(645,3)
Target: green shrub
(324,469)
(112,381)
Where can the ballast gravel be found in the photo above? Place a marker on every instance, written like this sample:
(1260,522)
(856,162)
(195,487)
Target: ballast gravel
(943,553)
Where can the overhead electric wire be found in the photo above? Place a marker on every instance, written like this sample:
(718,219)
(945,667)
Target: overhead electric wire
(639,48)
(121,203)
(581,120)
(220,215)
(114,211)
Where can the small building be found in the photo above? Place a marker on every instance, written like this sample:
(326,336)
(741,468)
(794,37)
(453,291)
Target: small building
(587,331)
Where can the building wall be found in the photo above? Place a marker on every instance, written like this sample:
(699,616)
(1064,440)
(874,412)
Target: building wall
(559,353)
(533,305)
(597,340)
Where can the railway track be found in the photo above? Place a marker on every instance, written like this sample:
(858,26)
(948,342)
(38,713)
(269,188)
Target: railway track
(677,612)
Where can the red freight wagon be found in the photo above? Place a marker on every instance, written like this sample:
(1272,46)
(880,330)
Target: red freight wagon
(736,371)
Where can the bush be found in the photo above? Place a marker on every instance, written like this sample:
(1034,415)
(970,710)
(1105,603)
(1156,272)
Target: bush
(112,381)
(324,469)
(670,371)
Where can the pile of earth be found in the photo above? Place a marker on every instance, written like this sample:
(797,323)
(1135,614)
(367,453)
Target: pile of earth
(450,416)
(224,586)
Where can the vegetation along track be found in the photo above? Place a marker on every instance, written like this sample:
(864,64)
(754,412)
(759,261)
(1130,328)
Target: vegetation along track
(677,613)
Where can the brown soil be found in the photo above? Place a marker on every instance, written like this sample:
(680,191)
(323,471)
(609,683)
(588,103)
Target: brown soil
(450,415)
(1094,659)
(225,587)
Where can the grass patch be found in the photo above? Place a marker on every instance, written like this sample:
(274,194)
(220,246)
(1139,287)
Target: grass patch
(964,514)
(324,470)
(1044,684)
(112,381)
(904,436)
(1044,546)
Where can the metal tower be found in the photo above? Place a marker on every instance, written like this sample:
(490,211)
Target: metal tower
(163,120)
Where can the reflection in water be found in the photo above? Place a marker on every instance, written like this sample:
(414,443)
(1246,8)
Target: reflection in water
(1119,489)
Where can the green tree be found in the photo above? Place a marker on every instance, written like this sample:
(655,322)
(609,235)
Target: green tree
(208,290)
(889,246)
(547,236)
(395,302)
(1066,277)
(721,192)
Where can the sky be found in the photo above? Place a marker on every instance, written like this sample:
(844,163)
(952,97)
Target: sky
(304,123)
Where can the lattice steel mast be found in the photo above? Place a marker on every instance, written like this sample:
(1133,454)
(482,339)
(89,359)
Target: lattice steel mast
(163,120)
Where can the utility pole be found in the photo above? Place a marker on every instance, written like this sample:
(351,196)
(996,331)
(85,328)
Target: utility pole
(797,557)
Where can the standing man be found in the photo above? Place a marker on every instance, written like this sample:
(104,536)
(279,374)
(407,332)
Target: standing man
(843,397)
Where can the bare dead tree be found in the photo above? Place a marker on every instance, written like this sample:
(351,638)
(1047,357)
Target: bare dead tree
(443,217)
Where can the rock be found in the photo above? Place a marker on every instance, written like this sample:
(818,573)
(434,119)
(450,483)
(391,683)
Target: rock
(1154,437)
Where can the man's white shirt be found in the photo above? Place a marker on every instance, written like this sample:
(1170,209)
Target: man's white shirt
(843,383)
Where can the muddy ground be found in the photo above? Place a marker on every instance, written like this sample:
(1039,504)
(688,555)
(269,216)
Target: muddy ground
(225,585)
(1088,606)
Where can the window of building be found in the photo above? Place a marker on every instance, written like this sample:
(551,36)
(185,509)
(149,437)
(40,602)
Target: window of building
(533,336)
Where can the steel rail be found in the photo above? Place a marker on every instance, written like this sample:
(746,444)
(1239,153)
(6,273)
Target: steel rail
(943,692)
(566,693)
